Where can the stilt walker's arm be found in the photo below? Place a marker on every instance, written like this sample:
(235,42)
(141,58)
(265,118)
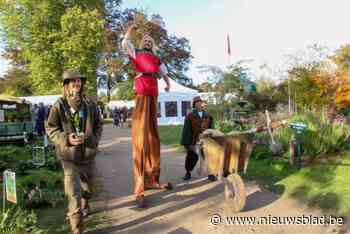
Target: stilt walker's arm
(167,82)
(126,43)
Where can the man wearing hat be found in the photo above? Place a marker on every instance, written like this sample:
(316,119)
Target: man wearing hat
(195,123)
(145,138)
(75,127)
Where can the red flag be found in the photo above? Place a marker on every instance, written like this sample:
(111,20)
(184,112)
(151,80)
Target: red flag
(228,45)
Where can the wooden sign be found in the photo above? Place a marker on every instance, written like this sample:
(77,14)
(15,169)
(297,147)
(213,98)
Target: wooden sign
(10,184)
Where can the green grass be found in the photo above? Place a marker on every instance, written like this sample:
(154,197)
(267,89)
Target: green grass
(323,185)
(54,220)
(107,121)
(170,135)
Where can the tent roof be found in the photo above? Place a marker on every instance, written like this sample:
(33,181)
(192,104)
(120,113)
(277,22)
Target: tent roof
(7,98)
(174,87)
(120,104)
(46,100)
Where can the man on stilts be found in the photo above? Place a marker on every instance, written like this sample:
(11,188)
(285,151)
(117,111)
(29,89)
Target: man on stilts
(145,138)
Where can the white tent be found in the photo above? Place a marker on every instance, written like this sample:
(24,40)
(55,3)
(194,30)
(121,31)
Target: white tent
(172,106)
(46,100)
(120,104)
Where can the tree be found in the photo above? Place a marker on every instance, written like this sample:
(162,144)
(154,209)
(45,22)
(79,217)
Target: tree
(267,94)
(111,60)
(16,83)
(125,90)
(313,72)
(55,35)
(82,34)
(205,87)
(311,56)
(318,82)
(227,86)
(214,73)
(342,58)
(230,81)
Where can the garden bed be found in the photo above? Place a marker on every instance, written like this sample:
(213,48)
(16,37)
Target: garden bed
(39,189)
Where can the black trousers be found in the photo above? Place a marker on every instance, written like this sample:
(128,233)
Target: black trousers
(191,160)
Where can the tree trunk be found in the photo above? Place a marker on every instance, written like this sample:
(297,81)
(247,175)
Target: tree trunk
(109,87)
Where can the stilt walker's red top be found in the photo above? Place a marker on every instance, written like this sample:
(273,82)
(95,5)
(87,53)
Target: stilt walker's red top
(147,65)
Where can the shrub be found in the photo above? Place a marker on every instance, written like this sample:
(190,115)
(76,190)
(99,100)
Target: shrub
(225,127)
(261,152)
(13,157)
(229,126)
(41,187)
(321,136)
(16,220)
(53,164)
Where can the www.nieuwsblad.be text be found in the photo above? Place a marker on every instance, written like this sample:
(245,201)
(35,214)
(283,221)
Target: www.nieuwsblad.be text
(217,219)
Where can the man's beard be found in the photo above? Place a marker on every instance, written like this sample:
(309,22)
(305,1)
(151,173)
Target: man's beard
(147,49)
(74,99)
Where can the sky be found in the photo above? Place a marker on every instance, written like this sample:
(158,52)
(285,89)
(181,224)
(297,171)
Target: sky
(260,30)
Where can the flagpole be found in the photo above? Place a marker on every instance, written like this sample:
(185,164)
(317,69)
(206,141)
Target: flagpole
(228,47)
(289,100)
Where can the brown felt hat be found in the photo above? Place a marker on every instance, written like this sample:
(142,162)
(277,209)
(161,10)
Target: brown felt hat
(72,74)
(196,99)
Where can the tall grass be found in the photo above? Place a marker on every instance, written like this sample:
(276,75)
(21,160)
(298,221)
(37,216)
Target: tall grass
(321,137)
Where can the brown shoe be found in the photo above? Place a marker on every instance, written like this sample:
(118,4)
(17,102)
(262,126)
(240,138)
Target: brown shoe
(77,231)
(85,212)
(85,208)
(167,186)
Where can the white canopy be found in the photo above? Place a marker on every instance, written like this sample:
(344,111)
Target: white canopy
(120,104)
(174,87)
(46,100)
(177,92)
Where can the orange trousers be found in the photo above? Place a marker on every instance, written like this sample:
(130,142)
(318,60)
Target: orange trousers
(145,144)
